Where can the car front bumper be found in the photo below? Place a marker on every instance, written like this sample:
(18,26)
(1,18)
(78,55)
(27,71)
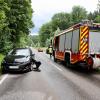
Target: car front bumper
(16,66)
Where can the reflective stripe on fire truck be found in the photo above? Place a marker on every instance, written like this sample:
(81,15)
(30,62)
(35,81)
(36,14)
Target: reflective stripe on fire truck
(84,34)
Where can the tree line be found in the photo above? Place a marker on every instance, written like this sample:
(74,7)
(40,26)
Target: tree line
(15,23)
(63,20)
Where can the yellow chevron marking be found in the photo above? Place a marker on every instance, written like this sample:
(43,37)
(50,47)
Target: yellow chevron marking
(86,50)
(81,42)
(84,57)
(85,47)
(82,45)
(85,28)
(84,34)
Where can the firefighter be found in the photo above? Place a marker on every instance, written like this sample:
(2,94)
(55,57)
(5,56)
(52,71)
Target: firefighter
(50,51)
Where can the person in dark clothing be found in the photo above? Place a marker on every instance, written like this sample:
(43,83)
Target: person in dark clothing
(37,63)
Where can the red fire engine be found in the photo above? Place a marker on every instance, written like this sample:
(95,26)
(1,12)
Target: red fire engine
(79,44)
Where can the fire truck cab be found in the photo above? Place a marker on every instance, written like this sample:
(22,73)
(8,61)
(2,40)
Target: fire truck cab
(79,44)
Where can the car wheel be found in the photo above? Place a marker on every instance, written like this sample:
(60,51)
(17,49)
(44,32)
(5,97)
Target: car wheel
(31,67)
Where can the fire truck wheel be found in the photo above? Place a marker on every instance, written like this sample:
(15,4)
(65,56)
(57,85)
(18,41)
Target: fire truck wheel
(67,59)
(90,68)
(90,63)
(67,65)
(55,60)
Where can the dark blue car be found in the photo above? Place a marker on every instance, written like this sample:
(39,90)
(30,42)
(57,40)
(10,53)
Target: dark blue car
(19,59)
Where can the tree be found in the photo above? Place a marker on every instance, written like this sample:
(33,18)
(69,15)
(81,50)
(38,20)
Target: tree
(97,13)
(34,40)
(5,43)
(45,32)
(19,19)
(97,19)
(78,14)
(90,16)
(57,31)
(15,23)
(61,20)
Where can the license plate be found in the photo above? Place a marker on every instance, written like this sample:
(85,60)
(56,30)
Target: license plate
(13,67)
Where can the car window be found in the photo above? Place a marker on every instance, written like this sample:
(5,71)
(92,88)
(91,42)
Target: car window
(24,52)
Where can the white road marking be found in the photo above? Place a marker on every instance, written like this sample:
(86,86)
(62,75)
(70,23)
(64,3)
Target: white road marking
(53,64)
(57,67)
(3,78)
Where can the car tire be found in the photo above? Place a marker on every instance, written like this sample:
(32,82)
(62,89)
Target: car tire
(31,67)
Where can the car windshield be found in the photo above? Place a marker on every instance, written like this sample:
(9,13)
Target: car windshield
(23,52)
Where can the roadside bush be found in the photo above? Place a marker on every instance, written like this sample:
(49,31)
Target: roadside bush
(1,58)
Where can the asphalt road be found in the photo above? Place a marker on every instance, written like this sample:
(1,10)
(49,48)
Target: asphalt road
(53,82)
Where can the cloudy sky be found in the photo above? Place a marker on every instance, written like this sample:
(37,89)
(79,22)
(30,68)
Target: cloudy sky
(45,9)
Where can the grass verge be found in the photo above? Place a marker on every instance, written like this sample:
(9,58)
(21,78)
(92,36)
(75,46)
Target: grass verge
(1,58)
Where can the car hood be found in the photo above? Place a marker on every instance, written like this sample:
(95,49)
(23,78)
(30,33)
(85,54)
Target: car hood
(14,59)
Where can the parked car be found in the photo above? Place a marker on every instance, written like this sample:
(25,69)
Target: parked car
(40,50)
(19,59)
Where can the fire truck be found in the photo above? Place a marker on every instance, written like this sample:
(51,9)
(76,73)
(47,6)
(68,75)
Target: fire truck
(79,44)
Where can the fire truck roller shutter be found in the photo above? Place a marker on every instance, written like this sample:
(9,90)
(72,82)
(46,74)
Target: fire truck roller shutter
(75,41)
(61,42)
(94,47)
(94,42)
(68,40)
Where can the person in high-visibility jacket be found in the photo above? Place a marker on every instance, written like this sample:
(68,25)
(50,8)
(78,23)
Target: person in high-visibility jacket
(50,51)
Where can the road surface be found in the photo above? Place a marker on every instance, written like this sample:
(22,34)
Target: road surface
(53,82)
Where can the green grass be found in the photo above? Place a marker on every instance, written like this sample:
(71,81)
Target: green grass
(1,58)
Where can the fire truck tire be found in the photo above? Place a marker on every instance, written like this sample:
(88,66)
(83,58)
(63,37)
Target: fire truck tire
(89,68)
(90,64)
(67,59)
(55,60)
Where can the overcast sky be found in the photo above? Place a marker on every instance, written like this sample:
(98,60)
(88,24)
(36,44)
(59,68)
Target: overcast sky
(45,9)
